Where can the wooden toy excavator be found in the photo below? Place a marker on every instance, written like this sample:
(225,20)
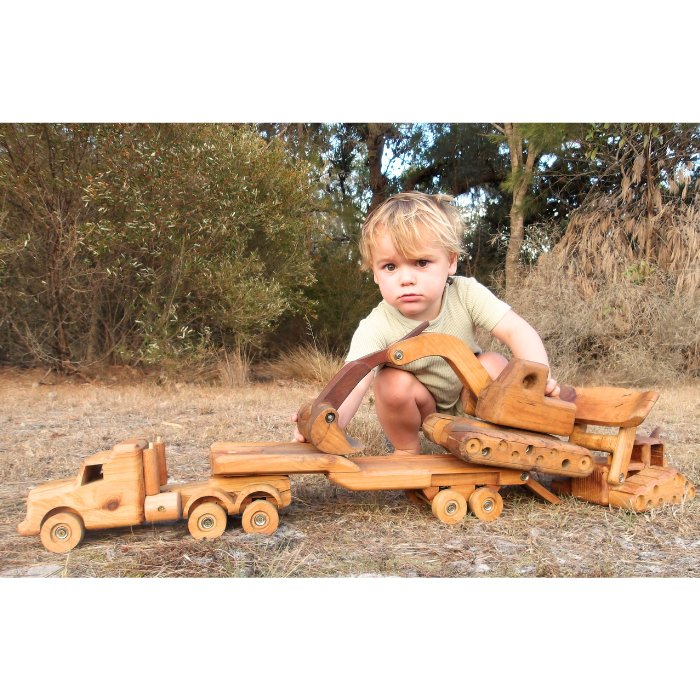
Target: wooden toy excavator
(511,435)
(515,427)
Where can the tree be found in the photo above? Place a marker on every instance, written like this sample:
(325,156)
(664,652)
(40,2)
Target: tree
(527,144)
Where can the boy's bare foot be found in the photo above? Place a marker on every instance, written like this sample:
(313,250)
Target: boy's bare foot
(298,437)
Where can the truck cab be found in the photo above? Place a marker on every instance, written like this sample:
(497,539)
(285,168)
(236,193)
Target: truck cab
(108,491)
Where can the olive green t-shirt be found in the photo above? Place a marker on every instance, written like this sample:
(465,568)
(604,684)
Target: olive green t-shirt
(466,304)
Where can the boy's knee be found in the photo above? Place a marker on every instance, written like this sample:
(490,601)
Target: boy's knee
(395,387)
(392,383)
(493,362)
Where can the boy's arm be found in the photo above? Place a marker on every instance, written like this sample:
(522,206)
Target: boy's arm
(525,343)
(347,409)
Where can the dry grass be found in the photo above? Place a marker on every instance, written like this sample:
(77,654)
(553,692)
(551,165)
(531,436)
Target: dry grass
(304,363)
(618,298)
(327,531)
(621,332)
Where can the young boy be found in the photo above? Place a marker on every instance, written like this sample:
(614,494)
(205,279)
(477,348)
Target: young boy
(411,243)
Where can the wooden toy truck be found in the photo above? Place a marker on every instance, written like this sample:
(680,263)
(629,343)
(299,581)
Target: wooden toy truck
(127,485)
(512,432)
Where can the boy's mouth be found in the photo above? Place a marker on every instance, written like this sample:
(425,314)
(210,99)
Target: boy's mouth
(409,297)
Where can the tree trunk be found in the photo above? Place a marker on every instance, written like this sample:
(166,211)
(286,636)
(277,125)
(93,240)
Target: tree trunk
(522,173)
(376,138)
(57,313)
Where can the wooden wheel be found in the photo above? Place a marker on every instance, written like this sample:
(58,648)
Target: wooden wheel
(413,495)
(260,517)
(61,532)
(207,521)
(449,506)
(486,503)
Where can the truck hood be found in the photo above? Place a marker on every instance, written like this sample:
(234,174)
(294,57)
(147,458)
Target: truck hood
(37,502)
(54,487)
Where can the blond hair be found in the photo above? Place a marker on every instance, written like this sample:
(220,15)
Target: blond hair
(406,217)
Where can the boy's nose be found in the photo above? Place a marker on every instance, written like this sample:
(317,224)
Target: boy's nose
(407,276)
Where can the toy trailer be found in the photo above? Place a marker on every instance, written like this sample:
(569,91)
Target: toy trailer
(449,484)
(127,486)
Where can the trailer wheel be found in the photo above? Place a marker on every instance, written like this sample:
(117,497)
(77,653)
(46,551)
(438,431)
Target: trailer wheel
(260,517)
(486,504)
(207,521)
(449,506)
(61,532)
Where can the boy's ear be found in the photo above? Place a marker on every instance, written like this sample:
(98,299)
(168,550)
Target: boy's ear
(453,263)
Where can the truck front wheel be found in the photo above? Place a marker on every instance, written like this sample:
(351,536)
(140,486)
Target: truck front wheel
(207,521)
(260,517)
(61,532)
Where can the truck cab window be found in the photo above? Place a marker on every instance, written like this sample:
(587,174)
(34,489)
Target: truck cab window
(93,472)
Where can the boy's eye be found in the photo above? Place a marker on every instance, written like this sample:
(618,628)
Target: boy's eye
(422,263)
(389,267)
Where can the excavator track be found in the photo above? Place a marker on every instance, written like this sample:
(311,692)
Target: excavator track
(492,445)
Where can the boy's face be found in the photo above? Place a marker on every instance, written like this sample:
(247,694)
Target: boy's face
(412,286)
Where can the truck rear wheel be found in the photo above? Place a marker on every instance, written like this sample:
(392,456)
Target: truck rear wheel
(449,506)
(486,503)
(207,521)
(61,532)
(260,517)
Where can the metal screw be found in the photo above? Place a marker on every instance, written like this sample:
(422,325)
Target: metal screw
(260,519)
(61,532)
(451,508)
(487,505)
(524,476)
(398,355)
(330,417)
(621,479)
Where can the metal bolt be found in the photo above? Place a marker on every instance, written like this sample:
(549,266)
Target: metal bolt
(524,476)
(621,479)
(451,508)
(207,522)
(61,532)
(330,417)
(488,505)
(398,355)
(260,520)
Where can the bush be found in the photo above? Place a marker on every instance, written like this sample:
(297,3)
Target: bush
(609,315)
(137,243)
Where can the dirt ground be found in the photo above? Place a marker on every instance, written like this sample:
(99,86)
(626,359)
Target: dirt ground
(50,424)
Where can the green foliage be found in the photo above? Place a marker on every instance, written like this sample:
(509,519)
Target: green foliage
(138,242)
(342,296)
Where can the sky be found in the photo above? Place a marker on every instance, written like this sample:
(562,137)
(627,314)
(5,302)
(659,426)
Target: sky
(314,61)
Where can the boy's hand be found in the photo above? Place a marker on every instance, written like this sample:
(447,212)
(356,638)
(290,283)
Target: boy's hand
(298,437)
(551,388)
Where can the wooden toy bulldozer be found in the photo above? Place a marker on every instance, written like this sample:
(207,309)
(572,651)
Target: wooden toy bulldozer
(510,433)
